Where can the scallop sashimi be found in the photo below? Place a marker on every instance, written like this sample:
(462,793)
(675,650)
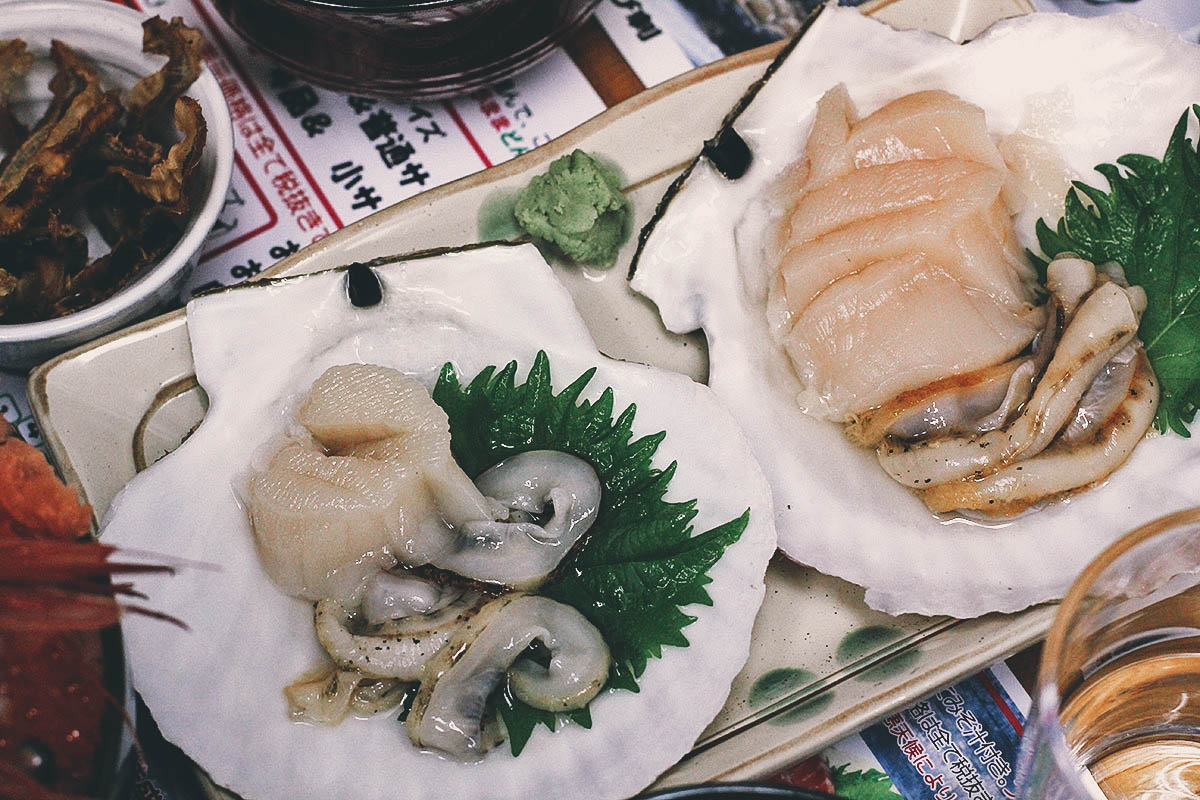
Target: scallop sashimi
(871,336)
(375,412)
(898,265)
(341,514)
(960,237)
(365,491)
(377,486)
(907,311)
(922,125)
(322,523)
(882,189)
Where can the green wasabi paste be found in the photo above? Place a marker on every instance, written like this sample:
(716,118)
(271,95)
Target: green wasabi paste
(577,207)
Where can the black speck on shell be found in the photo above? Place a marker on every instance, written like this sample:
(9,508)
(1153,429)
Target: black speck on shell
(729,154)
(363,286)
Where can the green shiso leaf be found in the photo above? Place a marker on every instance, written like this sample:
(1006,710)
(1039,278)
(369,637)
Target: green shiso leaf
(640,561)
(868,784)
(1149,222)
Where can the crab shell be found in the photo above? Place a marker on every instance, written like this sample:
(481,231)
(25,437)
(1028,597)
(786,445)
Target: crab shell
(216,689)
(1094,90)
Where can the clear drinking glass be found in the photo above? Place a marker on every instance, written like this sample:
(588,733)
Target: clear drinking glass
(1117,706)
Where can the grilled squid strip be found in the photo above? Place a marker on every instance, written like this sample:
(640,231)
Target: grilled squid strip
(1105,323)
(1066,467)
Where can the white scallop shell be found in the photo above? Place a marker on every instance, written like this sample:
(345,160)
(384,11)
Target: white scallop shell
(216,689)
(1098,89)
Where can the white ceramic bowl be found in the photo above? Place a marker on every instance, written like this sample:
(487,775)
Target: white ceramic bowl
(111,36)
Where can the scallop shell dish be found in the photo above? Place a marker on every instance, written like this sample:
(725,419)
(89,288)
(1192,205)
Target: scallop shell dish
(458,552)
(949,416)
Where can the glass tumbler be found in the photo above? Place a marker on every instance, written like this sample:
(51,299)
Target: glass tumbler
(1117,705)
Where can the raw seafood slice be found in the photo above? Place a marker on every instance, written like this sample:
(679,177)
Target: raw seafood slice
(904,305)
(825,150)
(376,412)
(871,336)
(902,213)
(323,524)
(377,485)
(1067,466)
(939,228)
(885,188)
(1105,323)
(928,124)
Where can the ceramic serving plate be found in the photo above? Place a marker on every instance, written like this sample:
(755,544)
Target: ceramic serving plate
(822,664)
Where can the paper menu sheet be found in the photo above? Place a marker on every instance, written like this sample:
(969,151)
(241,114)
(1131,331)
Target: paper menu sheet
(959,744)
(14,409)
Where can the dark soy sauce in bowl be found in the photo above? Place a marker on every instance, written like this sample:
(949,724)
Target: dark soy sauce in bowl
(410,49)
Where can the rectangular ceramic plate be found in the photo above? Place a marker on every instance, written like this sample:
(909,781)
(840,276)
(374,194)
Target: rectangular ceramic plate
(822,664)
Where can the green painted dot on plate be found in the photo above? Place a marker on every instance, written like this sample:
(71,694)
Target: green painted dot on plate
(776,683)
(497,222)
(893,665)
(805,710)
(865,641)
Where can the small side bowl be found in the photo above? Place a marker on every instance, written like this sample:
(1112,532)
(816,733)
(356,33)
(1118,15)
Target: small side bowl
(111,36)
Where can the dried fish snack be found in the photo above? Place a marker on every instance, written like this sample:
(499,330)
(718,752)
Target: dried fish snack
(8,285)
(156,93)
(169,177)
(130,150)
(15,61)
(152,239)
(80,111)
(95,157)
(42,259)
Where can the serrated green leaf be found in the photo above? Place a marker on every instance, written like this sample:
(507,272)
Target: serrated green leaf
(868,784)
(639,563)
(1149,222)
